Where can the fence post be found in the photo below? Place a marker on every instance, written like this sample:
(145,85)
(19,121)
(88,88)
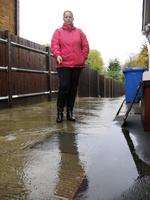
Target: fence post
(89,76)
(9,74)
(112,88)
(48,66)
(104,86)
(98,92)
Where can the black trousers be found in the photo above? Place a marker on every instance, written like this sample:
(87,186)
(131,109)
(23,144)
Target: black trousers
(68,83)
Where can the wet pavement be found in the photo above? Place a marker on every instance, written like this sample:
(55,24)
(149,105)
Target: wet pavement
(91,159)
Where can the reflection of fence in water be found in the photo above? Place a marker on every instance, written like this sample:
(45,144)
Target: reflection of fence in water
(71,172)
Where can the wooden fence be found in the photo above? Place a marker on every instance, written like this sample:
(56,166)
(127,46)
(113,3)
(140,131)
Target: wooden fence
(93,85)
(28,69)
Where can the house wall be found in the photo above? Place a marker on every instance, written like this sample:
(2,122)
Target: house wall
(9,20)
(145,14)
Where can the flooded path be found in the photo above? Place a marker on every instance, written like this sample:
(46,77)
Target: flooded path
(91,159)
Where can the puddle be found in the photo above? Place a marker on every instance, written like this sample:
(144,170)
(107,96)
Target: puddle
(91,159)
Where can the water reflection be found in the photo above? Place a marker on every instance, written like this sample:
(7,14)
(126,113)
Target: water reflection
(142,167)
(140,188)
(54,169)
(41,169)
(71,172)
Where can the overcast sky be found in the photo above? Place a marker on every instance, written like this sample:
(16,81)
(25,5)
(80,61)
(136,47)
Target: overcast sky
(113,27)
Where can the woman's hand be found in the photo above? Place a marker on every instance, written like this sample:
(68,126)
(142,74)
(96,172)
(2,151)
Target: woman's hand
(59,59)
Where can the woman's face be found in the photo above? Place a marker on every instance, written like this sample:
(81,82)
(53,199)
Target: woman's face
(68,18)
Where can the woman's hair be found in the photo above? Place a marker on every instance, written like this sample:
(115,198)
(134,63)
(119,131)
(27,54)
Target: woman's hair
(67,11)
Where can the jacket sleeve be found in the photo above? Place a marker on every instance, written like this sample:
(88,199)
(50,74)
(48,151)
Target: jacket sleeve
(84,45)
(55,46)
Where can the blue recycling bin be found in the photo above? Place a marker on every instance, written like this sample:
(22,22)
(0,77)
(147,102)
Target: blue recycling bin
(133,77)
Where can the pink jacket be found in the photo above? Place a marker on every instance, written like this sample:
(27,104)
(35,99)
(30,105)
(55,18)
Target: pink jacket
(71,44)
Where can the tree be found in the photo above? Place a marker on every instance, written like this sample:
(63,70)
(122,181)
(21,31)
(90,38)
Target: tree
(114,69)
(140,60)
(95,61)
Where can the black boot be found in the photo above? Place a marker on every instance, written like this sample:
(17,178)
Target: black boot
(70,116)
(59,118)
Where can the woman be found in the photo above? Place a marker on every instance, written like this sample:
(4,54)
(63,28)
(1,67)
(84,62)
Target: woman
(70,47)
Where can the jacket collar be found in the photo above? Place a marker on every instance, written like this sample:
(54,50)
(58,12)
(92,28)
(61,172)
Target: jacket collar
(68,27)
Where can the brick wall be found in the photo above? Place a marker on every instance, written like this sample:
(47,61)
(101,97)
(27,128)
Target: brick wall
(9,15)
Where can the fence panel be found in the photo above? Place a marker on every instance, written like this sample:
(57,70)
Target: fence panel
(26,58)
(84,83)
(101,85)
(3,84)
(118,89)
(93,83)
(2,50)
(54,81)
(28,68)
(27,83)
(3,69)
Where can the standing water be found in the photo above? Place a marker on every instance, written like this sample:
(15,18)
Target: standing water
(91,159)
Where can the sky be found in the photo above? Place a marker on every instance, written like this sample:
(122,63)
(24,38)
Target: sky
(113,27)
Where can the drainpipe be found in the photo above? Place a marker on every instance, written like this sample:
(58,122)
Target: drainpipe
(147,33)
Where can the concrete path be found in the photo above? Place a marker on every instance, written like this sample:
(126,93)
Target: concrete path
(91,159)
